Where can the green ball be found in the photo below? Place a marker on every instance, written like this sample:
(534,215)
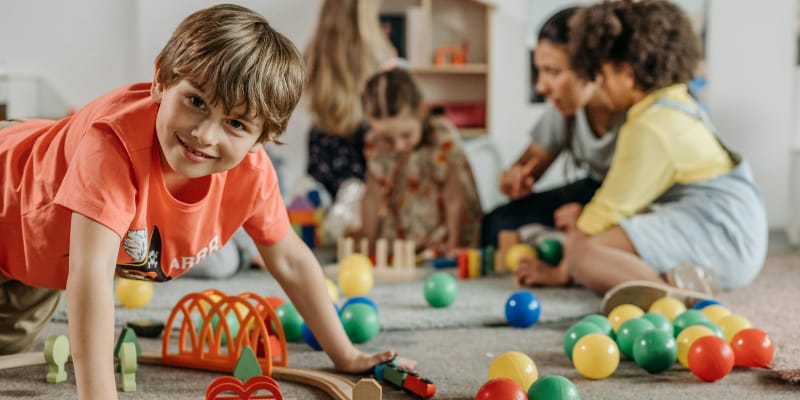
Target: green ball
(553,387)
(659,321)
(602,322)
(550,251)
(230,318)
(441,289)
(576,332)
(291,321)
(687,319)
(629,331)
(360,322)
(655,351)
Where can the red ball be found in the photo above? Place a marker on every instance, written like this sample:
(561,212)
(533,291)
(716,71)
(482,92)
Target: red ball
(752,348)
(710,358)
(501,389)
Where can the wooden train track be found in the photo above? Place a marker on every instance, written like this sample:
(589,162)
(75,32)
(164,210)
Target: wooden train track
(338,387)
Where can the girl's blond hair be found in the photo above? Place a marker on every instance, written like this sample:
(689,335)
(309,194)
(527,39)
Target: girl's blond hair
(348,46)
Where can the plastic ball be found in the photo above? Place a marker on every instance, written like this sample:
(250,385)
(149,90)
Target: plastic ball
(714,328)
(515,366)
(576,332)
(501,389)
(622,313)
(687,319)
(274,301)
(714,312)
(522,309)
(595,356)
(360,322)
(553,387)
(710,358)
(668,307)
(291,321)
(752,347)
(705,303)
(133,293)
(355,275)
(515,253)
(600,321)
(687,338)
(550,251)
(732,324)
(440,289)
(230,319)
(629,331)
(659,321)
(333,291)
(655,351)
(309,337)
(360,300)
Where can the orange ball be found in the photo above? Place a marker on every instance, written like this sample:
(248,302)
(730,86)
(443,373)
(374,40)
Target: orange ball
(752,347)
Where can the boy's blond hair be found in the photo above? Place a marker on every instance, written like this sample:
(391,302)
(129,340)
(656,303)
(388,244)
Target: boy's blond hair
(347,47)
(233,54)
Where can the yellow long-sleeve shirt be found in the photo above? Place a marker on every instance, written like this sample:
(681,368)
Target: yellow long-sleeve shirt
(657,147)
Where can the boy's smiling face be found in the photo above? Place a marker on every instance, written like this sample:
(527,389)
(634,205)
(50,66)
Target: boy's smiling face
(197,138)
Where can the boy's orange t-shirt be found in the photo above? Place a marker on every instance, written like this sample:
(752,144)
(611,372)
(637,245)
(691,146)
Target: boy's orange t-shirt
(104,162)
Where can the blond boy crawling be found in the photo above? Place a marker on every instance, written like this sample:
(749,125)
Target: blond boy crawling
(149,179)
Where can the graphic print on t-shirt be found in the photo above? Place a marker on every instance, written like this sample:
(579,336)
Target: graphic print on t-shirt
(146,256)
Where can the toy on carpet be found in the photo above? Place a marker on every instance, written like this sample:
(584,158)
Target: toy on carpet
(668,307)
(133,293)
(686,338)
(715,312)
(409,381)
(56,353)
(595,356)
(440,290)
(752,347)
(576,332)
(291,320)
(516,366)
(522,309)
(553,387)
(622,313)
(655,351)
(501,389)
(360,322)
(474,263)
(246,382)
(402,266)
(629,333)
(710,358)
(732,324)
(128,365)
(361,300)
(355,275)
(309,337)
(687,319)
(146,328)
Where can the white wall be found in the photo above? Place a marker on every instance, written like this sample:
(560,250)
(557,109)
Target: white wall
(751,64)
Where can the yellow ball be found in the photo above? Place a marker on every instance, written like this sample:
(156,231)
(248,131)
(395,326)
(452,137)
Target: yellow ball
(133,293)
(515,253)
(355,275)
(595,356)
(622,313)
(668,307)
(515,366)
(715,312)
(687,337)
(732,324)
(333,291)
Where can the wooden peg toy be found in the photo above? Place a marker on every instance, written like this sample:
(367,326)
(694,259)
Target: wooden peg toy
(56,353)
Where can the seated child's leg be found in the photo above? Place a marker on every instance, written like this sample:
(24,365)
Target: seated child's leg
(606,260)
(24,311)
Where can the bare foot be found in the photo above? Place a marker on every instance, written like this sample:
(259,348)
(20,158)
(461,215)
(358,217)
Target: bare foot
(533,272)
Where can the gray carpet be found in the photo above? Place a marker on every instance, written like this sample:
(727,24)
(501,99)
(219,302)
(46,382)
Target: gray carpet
(402,306)
(457,359)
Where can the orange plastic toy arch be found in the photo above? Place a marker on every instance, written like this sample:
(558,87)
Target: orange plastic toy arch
(243,391)
(202,348)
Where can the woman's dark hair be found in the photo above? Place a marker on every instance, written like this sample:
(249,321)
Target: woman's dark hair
(654,36)
(556,28)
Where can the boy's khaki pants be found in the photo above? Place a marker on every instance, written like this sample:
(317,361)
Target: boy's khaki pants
(24,310)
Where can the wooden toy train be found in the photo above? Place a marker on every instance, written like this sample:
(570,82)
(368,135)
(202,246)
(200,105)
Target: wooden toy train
(408,381)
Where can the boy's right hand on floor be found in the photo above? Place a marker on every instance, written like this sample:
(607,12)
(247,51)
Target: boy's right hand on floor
(364,362)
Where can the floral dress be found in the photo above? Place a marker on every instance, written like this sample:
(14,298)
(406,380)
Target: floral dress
(412,204)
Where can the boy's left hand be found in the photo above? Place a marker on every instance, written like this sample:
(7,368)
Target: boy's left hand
(365,362)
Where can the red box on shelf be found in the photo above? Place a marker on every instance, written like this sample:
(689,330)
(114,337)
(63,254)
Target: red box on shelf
(463,115)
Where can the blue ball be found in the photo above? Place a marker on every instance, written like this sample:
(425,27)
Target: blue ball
(360,300)
(522,309)
(705,303)
(309,338)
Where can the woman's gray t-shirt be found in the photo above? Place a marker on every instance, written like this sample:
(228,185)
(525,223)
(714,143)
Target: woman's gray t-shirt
(589,151)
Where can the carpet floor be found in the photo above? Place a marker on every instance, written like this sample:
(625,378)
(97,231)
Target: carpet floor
(457,357)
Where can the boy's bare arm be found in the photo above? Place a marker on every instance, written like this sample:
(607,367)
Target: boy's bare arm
(293,265)
(90,306)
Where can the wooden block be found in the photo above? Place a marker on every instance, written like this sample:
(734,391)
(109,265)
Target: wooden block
(128,366)
(409,255)
(381,253)
(397,252)
(505,239)
(56,353)
(247,366)
(363,247)
(367,389)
